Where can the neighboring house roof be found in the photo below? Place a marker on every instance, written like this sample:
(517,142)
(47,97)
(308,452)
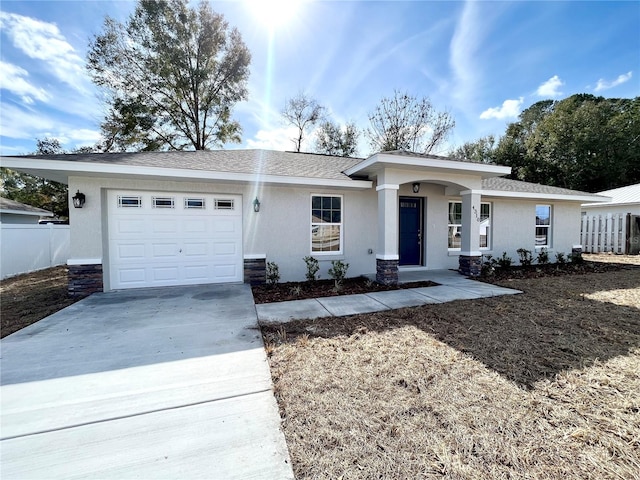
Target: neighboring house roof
(620,196)
(17,208)
(276,167)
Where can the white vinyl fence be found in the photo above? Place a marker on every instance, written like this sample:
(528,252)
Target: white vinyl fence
(26,248)
(604,233)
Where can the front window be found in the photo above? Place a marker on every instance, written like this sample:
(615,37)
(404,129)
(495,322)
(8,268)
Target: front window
(455,225)
(326,224)
(543,226)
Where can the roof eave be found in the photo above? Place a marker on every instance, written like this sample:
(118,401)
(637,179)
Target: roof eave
(543,196)
(380,160)
(43,213)
(61,171)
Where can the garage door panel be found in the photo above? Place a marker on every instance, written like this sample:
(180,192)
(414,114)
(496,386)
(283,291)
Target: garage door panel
(196,272)
(128,251)
(164,250)
(228,271)
(200,249)
(175,246)
(128,276)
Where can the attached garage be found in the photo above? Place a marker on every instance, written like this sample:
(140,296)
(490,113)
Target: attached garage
(162,239)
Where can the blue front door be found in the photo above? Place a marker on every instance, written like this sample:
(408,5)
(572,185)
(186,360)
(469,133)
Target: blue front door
(410,231)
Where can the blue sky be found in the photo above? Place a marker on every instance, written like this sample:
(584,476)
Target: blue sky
(484,62)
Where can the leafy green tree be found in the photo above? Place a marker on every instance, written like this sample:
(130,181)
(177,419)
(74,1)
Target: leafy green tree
(172,75)
(582,142)
(480,151)
(333,140)
(36,191)
(302,112)
(406,122)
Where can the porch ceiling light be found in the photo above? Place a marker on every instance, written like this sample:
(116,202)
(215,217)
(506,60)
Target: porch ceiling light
(78,199)
(256,205)
(416,187)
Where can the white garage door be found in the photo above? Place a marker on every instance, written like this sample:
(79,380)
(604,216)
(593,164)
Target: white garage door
(161,239)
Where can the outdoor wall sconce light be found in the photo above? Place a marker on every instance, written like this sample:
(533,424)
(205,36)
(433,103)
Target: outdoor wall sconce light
(416,187)
(256,205)
(78,199)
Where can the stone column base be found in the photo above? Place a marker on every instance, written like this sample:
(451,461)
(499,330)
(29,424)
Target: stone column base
(387,272)
(83,280)
(470,266)
(255,271)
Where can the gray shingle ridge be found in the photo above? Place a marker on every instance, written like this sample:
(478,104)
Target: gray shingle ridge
(508,185)
(247,161)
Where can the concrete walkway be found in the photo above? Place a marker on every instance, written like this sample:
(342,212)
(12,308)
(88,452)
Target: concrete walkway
(155,383)
(452,286)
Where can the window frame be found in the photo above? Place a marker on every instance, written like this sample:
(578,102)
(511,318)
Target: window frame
(548,226)
(459,225)
(313,224)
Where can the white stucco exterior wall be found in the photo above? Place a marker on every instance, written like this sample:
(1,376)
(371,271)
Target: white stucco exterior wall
(281,230)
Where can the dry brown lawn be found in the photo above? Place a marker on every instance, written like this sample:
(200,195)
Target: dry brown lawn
(30,297)
(536,386)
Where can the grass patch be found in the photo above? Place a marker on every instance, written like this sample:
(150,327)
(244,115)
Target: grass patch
(540,385)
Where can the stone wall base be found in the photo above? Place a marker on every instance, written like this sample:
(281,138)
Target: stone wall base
(255,271)
(84,280)
(387,272)
(470,266)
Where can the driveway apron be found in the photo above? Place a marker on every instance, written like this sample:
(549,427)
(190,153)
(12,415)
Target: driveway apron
(150,383)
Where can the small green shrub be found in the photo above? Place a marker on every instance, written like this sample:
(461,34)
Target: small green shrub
(296,290)
(560,258)
(526,259)
(543,257)
(312,268)
(576,258)
(338,271)
(273,273)
(504,262)
(488,267)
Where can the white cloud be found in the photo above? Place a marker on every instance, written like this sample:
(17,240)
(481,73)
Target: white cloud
(550,88)
(509,109)
(13,79)
(43,41)
(464,45)
(604,85)
(274,139)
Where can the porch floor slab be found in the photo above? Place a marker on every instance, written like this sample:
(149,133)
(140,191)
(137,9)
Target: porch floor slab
(402,298)
(351,305)
(295,309)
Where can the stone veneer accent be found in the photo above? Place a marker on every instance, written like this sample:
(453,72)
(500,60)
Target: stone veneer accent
(84,280)
(255,271)
(387,272)
(470,266)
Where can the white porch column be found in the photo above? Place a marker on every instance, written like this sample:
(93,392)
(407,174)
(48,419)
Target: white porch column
(470,260)
(387,256)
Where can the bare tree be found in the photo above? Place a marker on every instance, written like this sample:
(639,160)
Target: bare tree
(406,122)
(303,113)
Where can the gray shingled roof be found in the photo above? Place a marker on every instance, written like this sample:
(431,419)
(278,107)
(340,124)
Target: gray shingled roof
(17,207)
(506,185)
(406,153)
(266,162)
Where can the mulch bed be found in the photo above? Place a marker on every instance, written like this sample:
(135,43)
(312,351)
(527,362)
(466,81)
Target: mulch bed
(553,270)
(282,292)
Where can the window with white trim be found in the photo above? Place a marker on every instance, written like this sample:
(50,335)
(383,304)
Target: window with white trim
(455,225)
(163,202)
(543,226)
(223,204)
(129,201)
(194,202)
(326,224)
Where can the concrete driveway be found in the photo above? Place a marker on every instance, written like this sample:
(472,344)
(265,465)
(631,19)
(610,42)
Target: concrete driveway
(152,383)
